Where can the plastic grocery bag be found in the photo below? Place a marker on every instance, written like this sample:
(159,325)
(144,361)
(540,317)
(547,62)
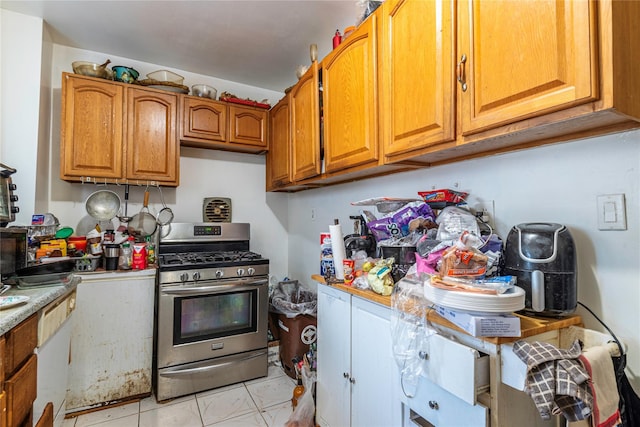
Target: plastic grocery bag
(303,415)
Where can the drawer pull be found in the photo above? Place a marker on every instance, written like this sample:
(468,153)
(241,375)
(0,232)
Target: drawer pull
(434,405)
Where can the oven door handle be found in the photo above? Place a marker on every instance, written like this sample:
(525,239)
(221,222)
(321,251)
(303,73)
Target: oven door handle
(204,290)
(178,371)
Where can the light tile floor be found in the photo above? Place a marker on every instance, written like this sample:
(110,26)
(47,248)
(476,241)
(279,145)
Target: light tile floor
(264,402)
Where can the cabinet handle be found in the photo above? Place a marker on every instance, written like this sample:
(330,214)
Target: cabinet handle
(434,405)
(460,71)
(423,355)
(352,380)
(345,374)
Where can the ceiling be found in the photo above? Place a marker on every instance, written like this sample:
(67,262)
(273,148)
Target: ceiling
(255,42)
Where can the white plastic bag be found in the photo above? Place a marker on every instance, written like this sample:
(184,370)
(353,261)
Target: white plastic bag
(303,415)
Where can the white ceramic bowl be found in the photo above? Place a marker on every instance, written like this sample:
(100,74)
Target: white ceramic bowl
(204,91)
(166,76)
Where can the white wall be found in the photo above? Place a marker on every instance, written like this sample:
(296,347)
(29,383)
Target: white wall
(21,50)
(555,183)
(203,173)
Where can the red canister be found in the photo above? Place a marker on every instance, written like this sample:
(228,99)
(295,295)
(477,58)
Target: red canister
(337,39)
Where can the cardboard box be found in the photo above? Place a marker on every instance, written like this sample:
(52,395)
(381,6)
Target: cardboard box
(482,325)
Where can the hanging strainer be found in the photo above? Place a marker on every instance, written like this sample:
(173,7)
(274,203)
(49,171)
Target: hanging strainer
(143,224)
(165,216)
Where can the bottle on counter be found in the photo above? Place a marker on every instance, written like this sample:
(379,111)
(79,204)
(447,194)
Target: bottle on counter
(151,251)
(126,255)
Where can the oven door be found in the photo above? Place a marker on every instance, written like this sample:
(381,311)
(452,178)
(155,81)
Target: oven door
(209,319)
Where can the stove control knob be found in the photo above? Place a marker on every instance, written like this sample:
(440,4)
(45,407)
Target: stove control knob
(240,272)
(184,277)
(219,274)
(251,271)
(196,276)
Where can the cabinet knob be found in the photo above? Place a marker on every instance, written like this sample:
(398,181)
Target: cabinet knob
(423,355)
(434,405)
(462,78)
(345,374)
(352,380)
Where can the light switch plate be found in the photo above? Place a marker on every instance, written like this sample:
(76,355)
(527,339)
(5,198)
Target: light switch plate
(611,212)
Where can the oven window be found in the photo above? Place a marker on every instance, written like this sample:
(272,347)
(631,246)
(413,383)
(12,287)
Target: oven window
(214,316)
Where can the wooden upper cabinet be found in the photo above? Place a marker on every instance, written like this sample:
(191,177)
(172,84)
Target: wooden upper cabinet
(521,59)
(203,121)
(91,128)
(417,91)
(305,126)
(248,126)
(349,78)
(117,131)
(278,175)
(152,139)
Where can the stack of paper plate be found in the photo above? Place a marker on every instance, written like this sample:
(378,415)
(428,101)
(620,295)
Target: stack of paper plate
(510,301)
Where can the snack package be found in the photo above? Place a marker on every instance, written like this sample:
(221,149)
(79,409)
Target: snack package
(461,261)
(380,278)
(349,271)
(411,217)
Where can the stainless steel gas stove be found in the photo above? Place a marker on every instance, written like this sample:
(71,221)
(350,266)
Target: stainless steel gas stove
(211,309)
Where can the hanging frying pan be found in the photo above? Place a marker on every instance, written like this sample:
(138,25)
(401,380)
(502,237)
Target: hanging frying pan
(143,224)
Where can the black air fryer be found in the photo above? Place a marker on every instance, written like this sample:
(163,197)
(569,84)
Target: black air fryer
(543,258)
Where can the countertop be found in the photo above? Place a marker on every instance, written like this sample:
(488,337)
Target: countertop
(39,297)
(529,325)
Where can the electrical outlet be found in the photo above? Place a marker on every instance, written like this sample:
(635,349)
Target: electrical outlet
(487,208)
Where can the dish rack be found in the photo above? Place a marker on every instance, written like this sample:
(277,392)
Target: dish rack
(87,263)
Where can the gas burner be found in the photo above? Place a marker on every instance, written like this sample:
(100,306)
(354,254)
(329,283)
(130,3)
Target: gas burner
(209,259)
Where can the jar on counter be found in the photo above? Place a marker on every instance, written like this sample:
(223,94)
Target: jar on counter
(126,256)
(94,242)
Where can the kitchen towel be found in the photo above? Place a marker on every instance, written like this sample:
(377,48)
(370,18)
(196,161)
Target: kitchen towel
(337,247)
(598,363)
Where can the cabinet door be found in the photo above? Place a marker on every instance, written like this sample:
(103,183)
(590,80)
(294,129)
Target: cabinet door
(350,100)
(522,59)
(152,139)
(333,388)
(305,126)
(279,146)
(91,128)
(20,342)
(374,372)
(203,120)
(248,126)
(416,68)
(21,392)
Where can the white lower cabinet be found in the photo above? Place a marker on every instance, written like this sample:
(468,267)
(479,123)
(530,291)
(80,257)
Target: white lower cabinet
(112,339)
(357,375)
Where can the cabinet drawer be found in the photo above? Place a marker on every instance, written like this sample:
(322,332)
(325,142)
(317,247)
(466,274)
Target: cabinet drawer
(461,370)
(21,391)
(441,408)
(21,341)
